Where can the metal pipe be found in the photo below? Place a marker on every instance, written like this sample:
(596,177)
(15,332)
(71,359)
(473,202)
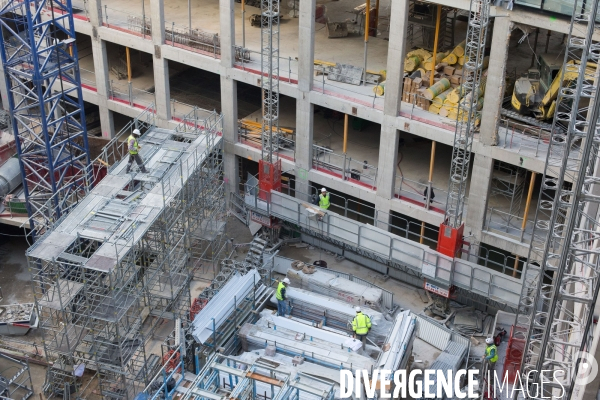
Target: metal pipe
(431,164)
(524,224)
(435,43)
(367,17)
(128,64)
(243,27)
(547,40)
(345,132)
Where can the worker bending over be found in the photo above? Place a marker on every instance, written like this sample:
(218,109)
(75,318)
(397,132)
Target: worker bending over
(281,296)
(361,325)
(134,148)
(324,199)
(491,353)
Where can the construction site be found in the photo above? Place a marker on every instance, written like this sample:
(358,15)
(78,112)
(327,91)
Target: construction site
(203,199)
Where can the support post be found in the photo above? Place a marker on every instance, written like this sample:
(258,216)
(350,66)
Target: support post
(160,64)
(128,64)
(435,43)
(367,18)
(243,24)
(429,186)
(345,133)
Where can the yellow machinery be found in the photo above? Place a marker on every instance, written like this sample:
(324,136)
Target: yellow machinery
(536,92)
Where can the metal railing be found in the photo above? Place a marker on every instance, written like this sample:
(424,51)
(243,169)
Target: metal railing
(508,224)
(288,66)
(195,40)
(127,93)
(419,193)
(87,77)
(124,21)
(524,139)
(363,95)
(344,167)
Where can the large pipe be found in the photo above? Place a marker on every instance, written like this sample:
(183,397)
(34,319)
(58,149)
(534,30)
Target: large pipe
(10,176)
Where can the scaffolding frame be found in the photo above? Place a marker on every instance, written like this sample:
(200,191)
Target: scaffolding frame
(15,379)
(561,279)
(269,67)
(124,254)
(508,181)
(227,377)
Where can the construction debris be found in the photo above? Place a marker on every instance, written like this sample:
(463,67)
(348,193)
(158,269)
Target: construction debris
(347,73)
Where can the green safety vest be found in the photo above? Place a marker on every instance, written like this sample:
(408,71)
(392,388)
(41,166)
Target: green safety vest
(324,201)
(135,144)
(361,324)
(279,295)
(488,351)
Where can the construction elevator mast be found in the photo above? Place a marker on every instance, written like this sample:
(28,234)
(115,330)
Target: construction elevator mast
(561,279)
(269,175)
(41,71)
(450,236)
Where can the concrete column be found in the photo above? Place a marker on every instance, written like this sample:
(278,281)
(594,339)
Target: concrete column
(227,35)
(306,45)
(304,108)
(102,74)
(479,189)
(229,109)
(162,93)
(494,88)
(388,156)
(3,89)
(304,142)
(395,59)
(95,15)
(388,145)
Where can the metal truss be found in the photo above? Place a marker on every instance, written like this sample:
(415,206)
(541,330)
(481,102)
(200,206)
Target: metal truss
(561,280)
(269,67)
(41,70)
(465,124)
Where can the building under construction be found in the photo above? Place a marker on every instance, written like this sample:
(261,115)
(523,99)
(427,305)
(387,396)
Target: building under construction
(106,275)
(454,139)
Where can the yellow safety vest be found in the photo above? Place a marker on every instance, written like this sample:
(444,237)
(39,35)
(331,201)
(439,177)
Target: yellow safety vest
(279,295)
(324,201)
(488,351)
(135,144)
(361,324)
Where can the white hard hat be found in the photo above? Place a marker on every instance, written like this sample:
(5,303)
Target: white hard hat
(357,309)
(323,190)
(136,132)
(286,281)
(489,340)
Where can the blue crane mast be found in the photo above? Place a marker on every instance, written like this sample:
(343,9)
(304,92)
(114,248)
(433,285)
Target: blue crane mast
(45,102)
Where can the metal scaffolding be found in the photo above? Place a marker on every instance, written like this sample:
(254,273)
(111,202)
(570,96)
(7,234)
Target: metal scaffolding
(41,70)
(508,182)
(120,263)
(465,124)
(561,281)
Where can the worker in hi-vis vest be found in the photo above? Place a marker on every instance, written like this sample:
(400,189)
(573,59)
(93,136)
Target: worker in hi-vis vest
(324,199)
(281,296)
(361,325)
(491,353)
(134,148)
